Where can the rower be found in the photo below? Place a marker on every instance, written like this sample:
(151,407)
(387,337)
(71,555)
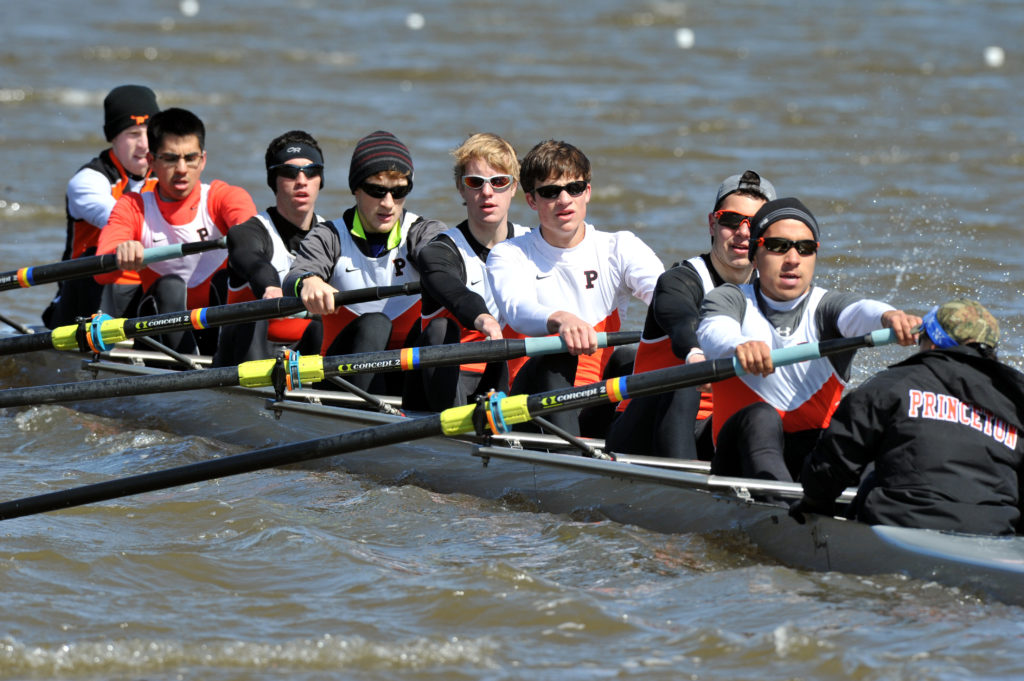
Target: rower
(91,195)
(458,305)
(677,423)
(766,421)
(943,429)
(569,279)
(375,243)
(261,251)
(180,209)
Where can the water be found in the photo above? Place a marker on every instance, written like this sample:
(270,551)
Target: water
(884,117)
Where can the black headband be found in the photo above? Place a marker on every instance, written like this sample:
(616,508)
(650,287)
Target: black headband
(296,150)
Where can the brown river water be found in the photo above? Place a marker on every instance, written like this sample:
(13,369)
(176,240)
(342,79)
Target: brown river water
(898,123)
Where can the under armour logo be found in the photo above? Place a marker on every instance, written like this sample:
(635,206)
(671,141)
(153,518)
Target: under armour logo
(785,330)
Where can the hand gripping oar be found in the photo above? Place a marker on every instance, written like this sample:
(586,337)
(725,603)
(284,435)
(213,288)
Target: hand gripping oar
(292,371)
(80,268)
(455,421)
(97,334)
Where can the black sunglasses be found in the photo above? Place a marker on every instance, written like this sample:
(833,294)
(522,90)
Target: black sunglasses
(779,245)
(310,170)
(379,191)
(552,191)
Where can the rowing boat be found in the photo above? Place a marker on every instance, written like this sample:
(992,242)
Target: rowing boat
(544,473)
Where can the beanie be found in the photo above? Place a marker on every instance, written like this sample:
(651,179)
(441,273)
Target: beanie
(959,322)
(749,181)
(376,153)
(780,209)
(125,106)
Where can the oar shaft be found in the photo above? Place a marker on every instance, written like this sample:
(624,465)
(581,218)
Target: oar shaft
(453,421)
(91,265)
(249,462)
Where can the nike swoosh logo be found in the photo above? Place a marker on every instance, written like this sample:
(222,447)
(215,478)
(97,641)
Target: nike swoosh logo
(351,269)
(474,283)
(543,276)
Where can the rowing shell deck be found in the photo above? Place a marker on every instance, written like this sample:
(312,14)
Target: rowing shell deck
(536,469)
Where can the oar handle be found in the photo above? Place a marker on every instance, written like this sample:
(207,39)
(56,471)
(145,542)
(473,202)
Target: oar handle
(809,351)
(80,268)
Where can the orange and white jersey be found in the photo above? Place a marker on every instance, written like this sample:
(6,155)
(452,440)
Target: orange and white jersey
(531,280)
(195,269)
(806,393)
(355,270)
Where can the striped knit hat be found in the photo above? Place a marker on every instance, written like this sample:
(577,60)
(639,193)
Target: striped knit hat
(378,152)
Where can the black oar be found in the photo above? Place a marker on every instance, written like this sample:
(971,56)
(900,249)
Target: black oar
(454,421)
(91,265)
(82,337)
(294,373)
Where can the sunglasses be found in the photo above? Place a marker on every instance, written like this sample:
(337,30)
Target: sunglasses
(553,191)
(779,245)
(498,182)
(730,219)
(191,160)
(310,170)
(379,191)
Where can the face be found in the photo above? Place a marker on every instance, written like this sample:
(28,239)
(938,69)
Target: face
(178,165)
(380,215)
(131,148)
(297,195)
(561,218)
(729,246)
(785,276)
(487,206)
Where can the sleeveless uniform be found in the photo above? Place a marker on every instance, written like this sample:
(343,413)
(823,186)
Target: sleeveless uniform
(531,279)
(196,270)
(288,329)
(655,351)
(355,270)
(477,282)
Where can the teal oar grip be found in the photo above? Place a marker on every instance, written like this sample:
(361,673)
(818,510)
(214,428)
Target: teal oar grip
(808,351)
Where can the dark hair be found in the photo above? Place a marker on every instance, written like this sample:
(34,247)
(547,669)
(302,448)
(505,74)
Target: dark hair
(279,143)
(176,122)
(552,158)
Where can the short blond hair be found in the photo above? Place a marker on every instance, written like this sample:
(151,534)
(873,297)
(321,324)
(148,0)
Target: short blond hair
(487,147)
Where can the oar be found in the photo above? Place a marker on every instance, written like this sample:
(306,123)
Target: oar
(82,338)
(91,265)
(305,370)
(454,421)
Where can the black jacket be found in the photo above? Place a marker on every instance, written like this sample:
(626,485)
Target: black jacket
(944,430)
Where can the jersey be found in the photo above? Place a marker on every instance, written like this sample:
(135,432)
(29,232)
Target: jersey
(531,280)
(806,393)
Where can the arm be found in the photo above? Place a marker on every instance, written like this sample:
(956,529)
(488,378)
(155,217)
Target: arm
(676,307)
(642,268)
(443,275)
(852,440)
(89,197)
(421,233)
(249,254)
(720,333)
(121,236)
(312,269)
(857,317)
(512,281)
(229,205)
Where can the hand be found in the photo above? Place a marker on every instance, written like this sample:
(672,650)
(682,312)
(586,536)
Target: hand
(317,295)
(130,255)
(489,326)
(272,292)
(579,336)
(755,357)
(903,324)
(693,358)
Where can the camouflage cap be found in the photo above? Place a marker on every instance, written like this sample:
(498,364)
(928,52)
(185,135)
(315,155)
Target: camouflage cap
(967,321)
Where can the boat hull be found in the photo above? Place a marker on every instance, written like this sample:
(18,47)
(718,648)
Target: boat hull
(517,470)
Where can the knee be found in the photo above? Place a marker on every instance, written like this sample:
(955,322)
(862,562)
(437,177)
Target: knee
(440,331)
